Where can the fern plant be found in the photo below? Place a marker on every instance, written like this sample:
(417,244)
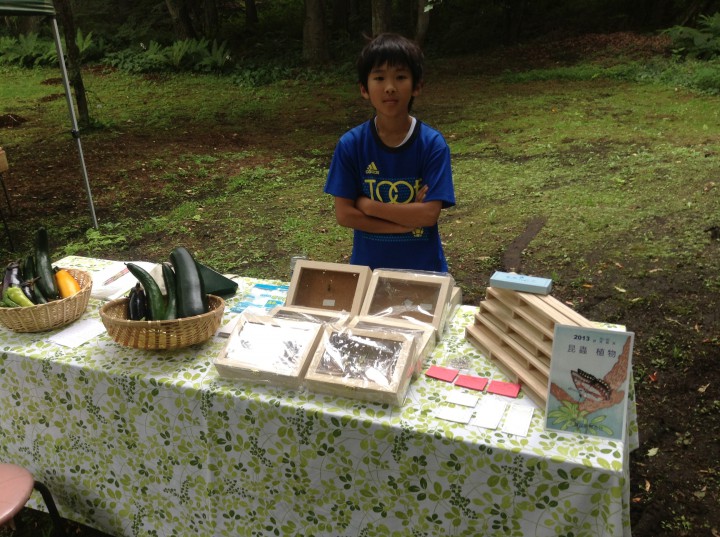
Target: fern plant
(701,43)
(217,59)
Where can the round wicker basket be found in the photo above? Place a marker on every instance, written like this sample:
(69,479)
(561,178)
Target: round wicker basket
(160,335)
(54,314)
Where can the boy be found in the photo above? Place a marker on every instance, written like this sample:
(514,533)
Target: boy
(391,175)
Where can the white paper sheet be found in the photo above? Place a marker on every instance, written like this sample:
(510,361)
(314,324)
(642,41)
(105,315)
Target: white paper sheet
(115,280)
(489,412)
(459,414)
(78,333)
(517,420)
(463,399)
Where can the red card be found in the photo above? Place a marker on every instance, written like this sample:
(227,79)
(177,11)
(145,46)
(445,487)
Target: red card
(471,382)
(509,389)
(442,373)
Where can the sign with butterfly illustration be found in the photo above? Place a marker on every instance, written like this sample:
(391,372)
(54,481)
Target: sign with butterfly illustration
(589,381)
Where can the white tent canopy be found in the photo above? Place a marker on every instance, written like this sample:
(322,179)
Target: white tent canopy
(46,8)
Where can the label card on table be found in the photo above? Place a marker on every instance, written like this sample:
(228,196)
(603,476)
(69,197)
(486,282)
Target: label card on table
(78,333)
(508,389)
(441,373)
(489,412)
(463,399)
(458,414)
(517,420)
(471,382)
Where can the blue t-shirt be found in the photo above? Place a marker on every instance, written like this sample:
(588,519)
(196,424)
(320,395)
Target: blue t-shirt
(364,165)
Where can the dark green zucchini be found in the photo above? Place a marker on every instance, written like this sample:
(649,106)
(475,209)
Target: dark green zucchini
(43,266)
(169,280)
(189,286)
(29,275)
(153,295)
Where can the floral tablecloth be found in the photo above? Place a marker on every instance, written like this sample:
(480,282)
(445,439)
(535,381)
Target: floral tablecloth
(138,443)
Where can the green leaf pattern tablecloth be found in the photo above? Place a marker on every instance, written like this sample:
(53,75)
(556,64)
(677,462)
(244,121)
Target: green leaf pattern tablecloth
(138,443)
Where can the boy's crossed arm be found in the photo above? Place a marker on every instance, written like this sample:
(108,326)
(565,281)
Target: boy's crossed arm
(373,216)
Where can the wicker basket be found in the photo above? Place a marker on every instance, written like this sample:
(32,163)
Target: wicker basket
(54,314)
(159,335)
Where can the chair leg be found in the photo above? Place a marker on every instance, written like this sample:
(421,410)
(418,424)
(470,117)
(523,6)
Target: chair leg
(7,196)
(58,524)
(7,231)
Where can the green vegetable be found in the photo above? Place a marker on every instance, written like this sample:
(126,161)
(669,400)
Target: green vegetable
(153,295)
(189,287)
(6,299)
(18,297)
(43,267)
(29,275)
(169,279)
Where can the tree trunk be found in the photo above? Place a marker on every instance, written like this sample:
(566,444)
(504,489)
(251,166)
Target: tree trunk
(251,14)
(381,15)
(212,22)
(423,22)
(67,21)
(315,49)
(341,17)
(180,16)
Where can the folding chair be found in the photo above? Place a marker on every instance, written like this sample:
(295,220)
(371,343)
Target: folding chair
(16,487)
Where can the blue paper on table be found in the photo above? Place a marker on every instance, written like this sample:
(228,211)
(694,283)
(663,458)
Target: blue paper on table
(521,282)
(262,298)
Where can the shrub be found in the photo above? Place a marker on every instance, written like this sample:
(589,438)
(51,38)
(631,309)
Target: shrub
(701,43)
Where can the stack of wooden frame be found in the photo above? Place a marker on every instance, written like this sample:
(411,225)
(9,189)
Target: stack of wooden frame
(515,329)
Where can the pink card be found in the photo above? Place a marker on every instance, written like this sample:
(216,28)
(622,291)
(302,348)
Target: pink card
(442,373)
(509,389)
(471,382)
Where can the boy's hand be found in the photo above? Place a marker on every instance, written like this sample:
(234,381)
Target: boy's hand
(420,196)
(362,203)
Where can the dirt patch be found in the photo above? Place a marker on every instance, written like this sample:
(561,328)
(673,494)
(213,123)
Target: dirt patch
(512,258)
(11,120)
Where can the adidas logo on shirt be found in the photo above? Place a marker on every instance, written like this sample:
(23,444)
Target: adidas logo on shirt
(372,169)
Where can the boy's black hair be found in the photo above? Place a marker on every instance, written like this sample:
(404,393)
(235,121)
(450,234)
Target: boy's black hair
(393,49)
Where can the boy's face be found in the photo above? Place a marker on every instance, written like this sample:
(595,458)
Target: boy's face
(389,89)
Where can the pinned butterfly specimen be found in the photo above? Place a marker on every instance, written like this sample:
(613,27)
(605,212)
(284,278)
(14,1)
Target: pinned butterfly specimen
(590,387)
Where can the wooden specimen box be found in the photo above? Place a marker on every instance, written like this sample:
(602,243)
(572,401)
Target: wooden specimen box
(328,286)
(453,305)
(516,329)
(310,315)
(409,295)
(265,349)
(422,333)
(370,365)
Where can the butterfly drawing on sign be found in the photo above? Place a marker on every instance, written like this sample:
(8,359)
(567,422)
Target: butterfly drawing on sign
(595,393)
(590,387)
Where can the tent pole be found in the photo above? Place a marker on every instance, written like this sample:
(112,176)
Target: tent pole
(73,120)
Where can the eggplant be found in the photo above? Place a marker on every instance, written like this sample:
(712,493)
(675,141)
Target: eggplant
(137,303)
(13,275)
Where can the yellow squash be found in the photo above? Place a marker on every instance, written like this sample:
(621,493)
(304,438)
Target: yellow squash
(67,285)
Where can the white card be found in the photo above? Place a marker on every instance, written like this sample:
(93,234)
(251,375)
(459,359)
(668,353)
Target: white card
(463,399)
(517,420)
(459,414)
(489,412)
(78,333)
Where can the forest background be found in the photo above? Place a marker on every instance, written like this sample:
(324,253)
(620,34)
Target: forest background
(517,85)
